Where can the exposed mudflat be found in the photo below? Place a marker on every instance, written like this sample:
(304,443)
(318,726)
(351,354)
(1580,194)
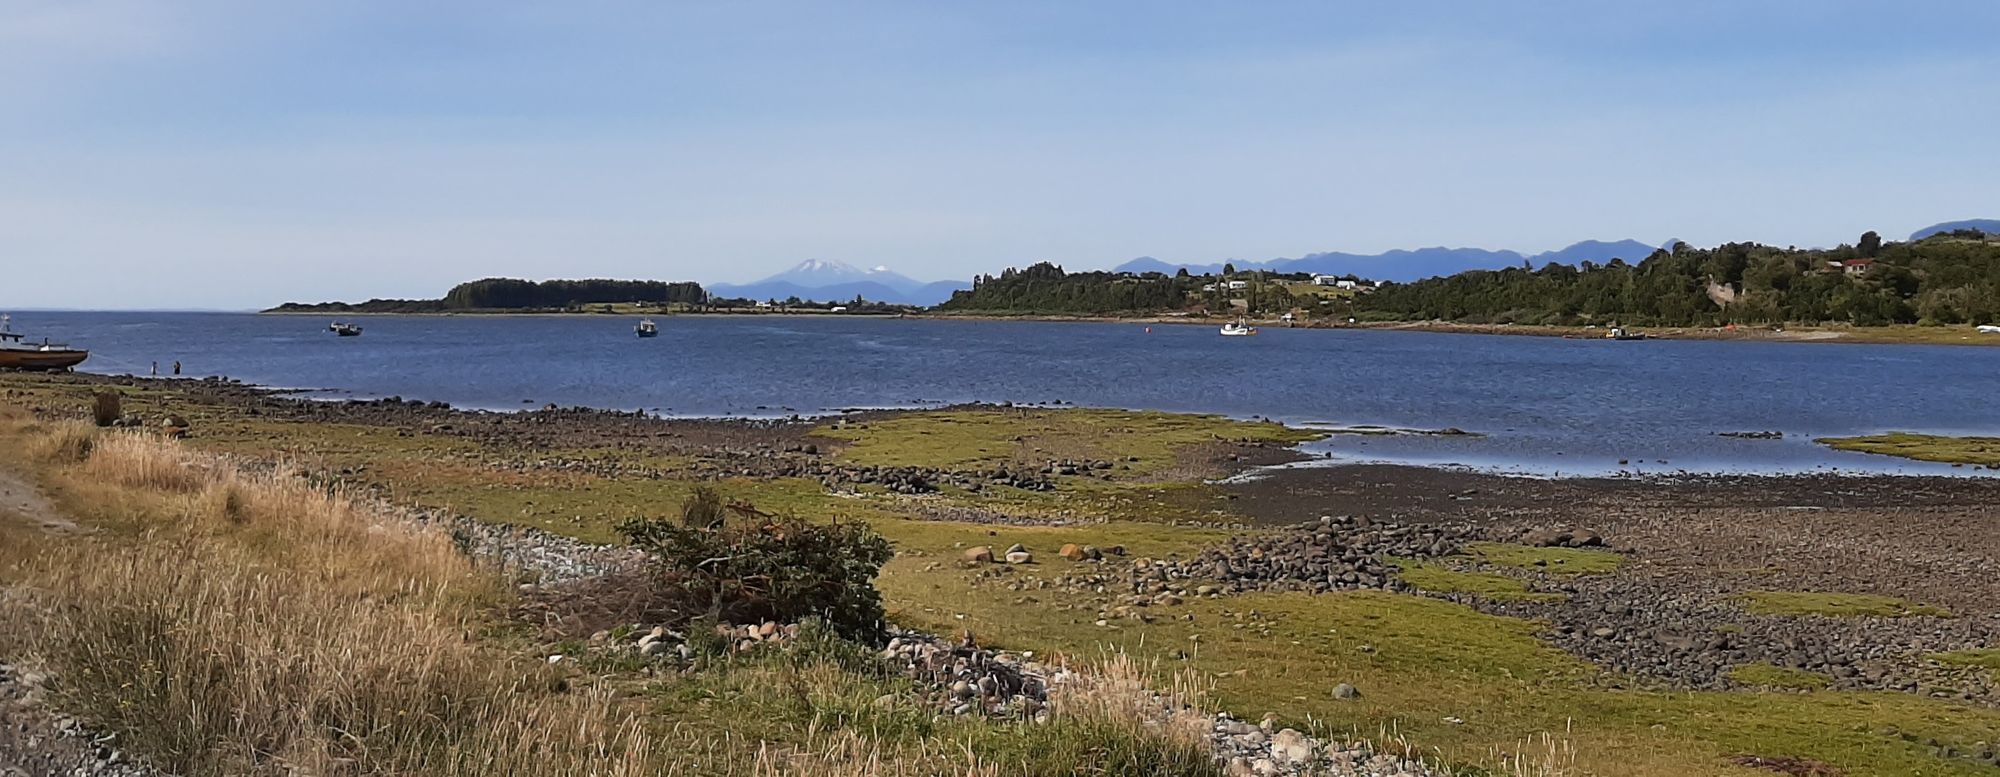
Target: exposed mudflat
(1925,538)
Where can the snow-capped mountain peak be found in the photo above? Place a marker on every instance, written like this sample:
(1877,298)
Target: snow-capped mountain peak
(827,272)
(827,279)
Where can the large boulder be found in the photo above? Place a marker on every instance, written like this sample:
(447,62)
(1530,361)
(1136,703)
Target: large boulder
(979,555)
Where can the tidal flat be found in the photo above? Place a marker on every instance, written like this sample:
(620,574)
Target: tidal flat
(1469,614)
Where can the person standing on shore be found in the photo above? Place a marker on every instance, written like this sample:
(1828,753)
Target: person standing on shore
(177,368)
(156,369)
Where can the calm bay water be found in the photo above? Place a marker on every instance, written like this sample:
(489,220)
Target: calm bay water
(1542,405)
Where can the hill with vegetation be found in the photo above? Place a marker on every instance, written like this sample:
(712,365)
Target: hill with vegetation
(1045,288)
(1988,226)
(514,294)
(1950,278)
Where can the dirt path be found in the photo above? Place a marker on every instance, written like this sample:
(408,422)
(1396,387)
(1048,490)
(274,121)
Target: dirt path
(21,501)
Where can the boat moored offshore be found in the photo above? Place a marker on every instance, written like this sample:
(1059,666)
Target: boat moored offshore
(345,330)
(1238,329)
(16,353)
(646,328)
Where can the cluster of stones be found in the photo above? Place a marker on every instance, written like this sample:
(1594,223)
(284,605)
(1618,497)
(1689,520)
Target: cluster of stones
(1075,467)
(805,463)
(965,679)
(1552,537)
(40,741)
(972,680)
(662,642)
(1691,636)
(934,510)
(546,557)
(1249,750)
(1019,554)
(848,477)
(1333,553)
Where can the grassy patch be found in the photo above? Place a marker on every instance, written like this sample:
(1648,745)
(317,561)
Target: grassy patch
(1772,676)
(1420,661)
(1567,561)
(1140,442)
(1978,451)
(775,696)
(1435,577)
(1837,604)
(1982,657)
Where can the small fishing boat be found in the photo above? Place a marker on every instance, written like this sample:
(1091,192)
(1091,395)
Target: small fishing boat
(646,328)
(1238,329)
(345,330)
(1620,333)
(16,353)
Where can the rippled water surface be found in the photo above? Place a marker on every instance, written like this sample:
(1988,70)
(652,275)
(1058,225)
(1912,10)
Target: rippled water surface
(1540,405)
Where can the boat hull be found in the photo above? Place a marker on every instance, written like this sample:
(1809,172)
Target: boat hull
(41,360)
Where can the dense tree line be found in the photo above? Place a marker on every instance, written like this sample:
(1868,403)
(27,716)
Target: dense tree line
(1945,279)
(512,294)
(371,306)
(1045,288)
(509,293)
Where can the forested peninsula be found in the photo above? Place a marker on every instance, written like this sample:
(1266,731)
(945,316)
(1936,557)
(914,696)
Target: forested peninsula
(509,294)
(1950,278)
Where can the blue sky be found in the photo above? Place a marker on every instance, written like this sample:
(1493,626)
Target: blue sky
(240,154)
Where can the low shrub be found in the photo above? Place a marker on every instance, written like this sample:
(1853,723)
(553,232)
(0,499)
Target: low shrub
(757,567)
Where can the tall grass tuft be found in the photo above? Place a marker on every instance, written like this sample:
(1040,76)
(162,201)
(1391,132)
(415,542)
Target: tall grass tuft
(135,460)
(67,441)
(280,628)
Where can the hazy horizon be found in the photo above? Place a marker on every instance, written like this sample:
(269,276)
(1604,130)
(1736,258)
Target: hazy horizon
(235,155)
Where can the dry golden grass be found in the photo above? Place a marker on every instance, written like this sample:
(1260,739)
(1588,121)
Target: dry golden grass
(272,627)
(1116,693)
(68,441)
(247,623)
(139,461)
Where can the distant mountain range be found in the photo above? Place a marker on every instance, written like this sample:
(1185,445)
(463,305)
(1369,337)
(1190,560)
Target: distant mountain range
(822,280)
(1410,265)
(1988,226)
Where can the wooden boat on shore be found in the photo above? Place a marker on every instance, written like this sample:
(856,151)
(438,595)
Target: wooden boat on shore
(345,330)
(18,354)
